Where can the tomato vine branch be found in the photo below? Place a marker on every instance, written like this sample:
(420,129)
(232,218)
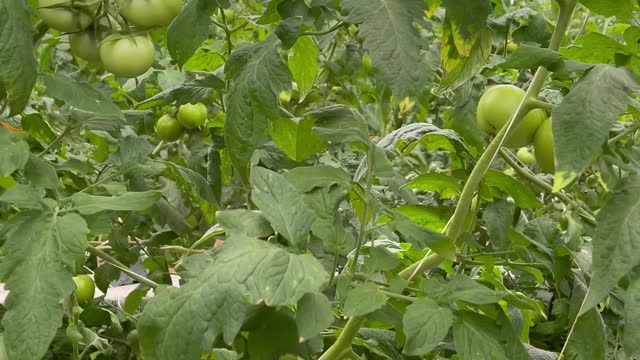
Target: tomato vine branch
(113,261)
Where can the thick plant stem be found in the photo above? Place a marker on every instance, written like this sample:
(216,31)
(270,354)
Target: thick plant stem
(342,346)
(113,261)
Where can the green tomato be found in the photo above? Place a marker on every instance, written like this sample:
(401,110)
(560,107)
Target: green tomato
(525,156)
(85,288)
(85,44)
(496,107)
(66,17)
(145,14)
(192,116)
(511,47)
(543,147)
(229,14)
(127,56)
(168,129)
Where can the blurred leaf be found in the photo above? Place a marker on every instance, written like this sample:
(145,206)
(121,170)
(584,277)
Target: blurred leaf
(189,29)
(19,68)
(306,178)
(245,222)
(446,185)
(632,311)
(191,92)
(41,173)
(618,8)
(579,131)
(364,299)
(461,288)
(314,314)
(41,251)
(339,123)
(258,75)
(381,259)
(421,237)
(392,41)
(23,196)
(589,338)
(131,201)
(478,337)
(596,48)
(13,156)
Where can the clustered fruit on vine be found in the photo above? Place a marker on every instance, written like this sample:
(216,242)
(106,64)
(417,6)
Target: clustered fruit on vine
(498,105)
(189,116)
(124,54)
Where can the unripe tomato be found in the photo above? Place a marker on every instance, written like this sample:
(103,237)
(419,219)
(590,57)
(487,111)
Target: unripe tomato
(85,288)
(66,17)
(229,14)
(168,129)
(192,116)
(496,107)
(145,14)
(543,147)
(127,56)
(85,44)
(511,47)
(525,156)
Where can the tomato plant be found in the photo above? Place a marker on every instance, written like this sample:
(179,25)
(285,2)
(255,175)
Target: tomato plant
(343,179)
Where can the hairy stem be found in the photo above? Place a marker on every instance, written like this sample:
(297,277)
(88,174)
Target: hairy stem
(342,346)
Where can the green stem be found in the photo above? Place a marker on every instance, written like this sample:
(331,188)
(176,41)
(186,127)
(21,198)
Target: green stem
(342,346)
(336,27)
(539,104)
(626,132)
(527,175)
(398,296)
(113,261)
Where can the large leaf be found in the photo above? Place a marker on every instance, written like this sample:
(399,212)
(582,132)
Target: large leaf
(425,324)
(190,29)
(393,42)
(479,337)
(364,299)
(632,311)
(282,205)
(183,323)
(616,250)
(314,315)
(303,64)
(258,76)
(19,68)
(581,123)
(131,201)
(459,67)
(622,9)
(468,19)
(13,156)
(589,338)
(596,48)
(80,95)
(41,251)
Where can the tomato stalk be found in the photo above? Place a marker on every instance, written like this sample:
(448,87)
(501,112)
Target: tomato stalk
(342,346)
(113,261)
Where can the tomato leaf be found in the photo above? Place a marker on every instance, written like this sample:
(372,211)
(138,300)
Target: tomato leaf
(246,222)
(213,303)
(303,64)
(190,92)
(392,41)
(468,20)
(282,205)
(80,95)
(258,75)
(581,123)
(14,155)
(339,123)
(189,29)
(459,69)
(523,196)
(444,184)
(589,338)
(306,178)
(478,337)
(364,299)
(596,48)
(41,251)
(621,9)
(314,314)
(425,324)
(131,201)
(19,68)
(615,248)
(632,311)
(295,137)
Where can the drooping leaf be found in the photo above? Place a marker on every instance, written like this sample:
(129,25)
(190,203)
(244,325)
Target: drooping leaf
(339,123)
(468,20)
(19,68)
(459,69)
(189,29)
(581,123)
(41,251)
(479,337)
(615,247)
(258,75)
(425,324)
(314,314)
(131,201)
(303,64)
(190,92)
(393,42)
(80,95)
(282,205)
(183,323)
(589,338)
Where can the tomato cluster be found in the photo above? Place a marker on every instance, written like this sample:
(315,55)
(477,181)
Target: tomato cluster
(190,116)
(124,54)
(497,106)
